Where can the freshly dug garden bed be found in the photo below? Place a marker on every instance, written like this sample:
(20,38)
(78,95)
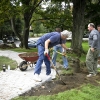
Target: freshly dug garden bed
(73,80)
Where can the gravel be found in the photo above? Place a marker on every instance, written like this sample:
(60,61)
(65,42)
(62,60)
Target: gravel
(15,82)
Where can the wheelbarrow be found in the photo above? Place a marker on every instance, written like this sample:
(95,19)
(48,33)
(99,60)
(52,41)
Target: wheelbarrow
(29,58)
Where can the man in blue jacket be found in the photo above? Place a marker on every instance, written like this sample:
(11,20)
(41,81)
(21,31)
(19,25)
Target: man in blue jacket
(43,44)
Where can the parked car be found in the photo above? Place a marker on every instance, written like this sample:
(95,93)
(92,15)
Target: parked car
(5,38)
(1,42)
(32,43)
(16,38)
(10,39)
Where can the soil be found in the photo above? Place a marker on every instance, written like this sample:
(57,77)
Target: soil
(73,80)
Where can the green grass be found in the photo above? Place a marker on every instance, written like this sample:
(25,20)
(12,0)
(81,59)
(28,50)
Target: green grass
(85,92)
(7,61)
(85,46)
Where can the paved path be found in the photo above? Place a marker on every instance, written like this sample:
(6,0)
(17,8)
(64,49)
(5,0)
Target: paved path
(16,82)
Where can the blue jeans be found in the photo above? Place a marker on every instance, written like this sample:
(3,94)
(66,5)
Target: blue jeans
(54,56)
(40,60)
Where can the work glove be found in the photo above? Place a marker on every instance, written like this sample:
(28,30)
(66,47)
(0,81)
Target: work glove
(69,49)
(46,51)
(63,52)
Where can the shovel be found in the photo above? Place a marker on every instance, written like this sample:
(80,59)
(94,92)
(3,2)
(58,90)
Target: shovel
(55,69)
(59,53)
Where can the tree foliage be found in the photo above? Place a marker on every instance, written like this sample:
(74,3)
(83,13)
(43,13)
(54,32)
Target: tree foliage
(58,13)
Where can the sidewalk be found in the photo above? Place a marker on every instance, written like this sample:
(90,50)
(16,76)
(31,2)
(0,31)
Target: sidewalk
(16,82)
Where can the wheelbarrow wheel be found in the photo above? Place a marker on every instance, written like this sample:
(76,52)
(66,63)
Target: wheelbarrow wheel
(23,66)
(35,63)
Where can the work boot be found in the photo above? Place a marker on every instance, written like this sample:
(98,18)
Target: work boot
(37,78)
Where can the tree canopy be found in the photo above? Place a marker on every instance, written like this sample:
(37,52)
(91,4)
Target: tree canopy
(57,13)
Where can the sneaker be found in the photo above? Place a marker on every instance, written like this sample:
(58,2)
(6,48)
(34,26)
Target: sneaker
(48,77)
(53,77)
(90,75)
(37,78)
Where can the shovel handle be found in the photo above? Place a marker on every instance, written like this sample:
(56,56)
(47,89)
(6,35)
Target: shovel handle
(48,57)
(59,53)
(55,69)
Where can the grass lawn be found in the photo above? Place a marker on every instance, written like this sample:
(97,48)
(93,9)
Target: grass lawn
(7,61)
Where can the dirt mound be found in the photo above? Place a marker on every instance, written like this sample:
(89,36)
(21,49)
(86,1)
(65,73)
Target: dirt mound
(55,86)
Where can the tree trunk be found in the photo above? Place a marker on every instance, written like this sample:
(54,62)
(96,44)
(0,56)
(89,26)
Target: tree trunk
(24,38)
(26,35)
(26,30)
(78,25)
(15,30)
